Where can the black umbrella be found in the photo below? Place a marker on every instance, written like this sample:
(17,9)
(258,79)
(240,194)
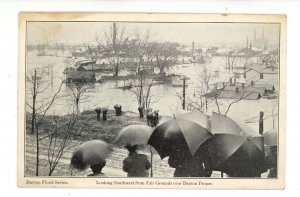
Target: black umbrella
(181,135)
(271,138)
(236,149)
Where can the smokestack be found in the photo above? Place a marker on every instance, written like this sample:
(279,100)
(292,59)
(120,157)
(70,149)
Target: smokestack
(247,43)
(114,33)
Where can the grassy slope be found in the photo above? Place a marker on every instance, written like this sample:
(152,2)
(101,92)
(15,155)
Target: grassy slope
(89,128)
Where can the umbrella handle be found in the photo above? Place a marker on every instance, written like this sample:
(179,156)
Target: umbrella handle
(71,173)
(151,159)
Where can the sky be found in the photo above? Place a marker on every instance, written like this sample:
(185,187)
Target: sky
(203,34)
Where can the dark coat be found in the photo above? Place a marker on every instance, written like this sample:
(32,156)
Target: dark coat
(202,163)
(136,165)
(271,162)
(180,164)
(199,165)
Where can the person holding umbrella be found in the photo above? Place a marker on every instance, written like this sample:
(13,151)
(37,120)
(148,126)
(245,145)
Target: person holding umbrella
(136,165)
(91,154)
(178,161)
(131,137)
(181,138)
(236,149)
(198,165)
(201,162)
(271,142)
(271,162)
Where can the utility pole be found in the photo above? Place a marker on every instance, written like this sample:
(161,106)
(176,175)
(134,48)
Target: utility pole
(193,53)
(261,123)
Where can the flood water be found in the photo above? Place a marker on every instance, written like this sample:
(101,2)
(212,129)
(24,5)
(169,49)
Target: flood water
(107,93)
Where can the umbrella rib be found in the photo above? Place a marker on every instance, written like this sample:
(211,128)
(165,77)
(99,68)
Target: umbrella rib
(182,132)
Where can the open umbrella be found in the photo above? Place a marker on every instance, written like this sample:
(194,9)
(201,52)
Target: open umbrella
(270,138)
(91,153)
(134,135)
(183,134)
(236,149)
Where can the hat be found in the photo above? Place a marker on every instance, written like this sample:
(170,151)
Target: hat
(131,148)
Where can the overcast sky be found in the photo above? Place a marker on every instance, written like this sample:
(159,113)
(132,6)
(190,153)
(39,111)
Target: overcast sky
(203,34)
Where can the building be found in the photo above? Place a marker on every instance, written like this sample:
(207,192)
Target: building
(80,76)
(81,63)
(237,90)
(259,71)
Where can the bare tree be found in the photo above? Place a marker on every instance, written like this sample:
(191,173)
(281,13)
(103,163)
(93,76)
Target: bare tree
(115,42)
(165,55)
(40,105)
(141,87)
(139,48)
(58,140)
(204,92)
(230,60)
(78,93)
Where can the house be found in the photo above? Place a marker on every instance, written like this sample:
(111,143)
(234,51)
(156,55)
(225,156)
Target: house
(212,51)
(81,52)
(246,52)
(69,70)
(80,63)
(245,95)
(242,91)
(96,67)
(262,75)
(80,76)
(240,71)
(237,90)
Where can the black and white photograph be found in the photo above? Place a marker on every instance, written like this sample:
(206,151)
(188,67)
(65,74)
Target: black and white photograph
(149,101)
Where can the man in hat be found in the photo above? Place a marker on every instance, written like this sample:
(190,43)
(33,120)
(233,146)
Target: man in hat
(136,165)
(97,168)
